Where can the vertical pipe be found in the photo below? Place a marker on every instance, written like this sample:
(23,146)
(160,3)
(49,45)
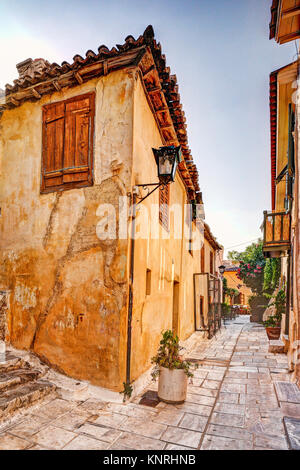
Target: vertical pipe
(130,297)
(287,306)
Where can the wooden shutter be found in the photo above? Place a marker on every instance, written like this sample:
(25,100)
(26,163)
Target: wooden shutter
(211,262)
(78,139)
(68,129)
(164,196)
(53,145)
(202,259)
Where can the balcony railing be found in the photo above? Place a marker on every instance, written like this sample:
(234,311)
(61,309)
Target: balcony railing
(276,233)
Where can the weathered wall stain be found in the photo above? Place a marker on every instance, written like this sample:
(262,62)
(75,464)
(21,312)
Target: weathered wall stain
(68,287)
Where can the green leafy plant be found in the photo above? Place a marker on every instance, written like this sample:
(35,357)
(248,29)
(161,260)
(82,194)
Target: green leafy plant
(127,391)
(251,266)
(272,273)
(279,303)
(168,355)
(225,309)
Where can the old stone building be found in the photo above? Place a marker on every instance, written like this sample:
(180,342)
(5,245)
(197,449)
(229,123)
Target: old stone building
(281,224)
(76,141)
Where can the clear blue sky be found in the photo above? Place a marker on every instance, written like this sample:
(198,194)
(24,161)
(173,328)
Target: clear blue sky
(222,57)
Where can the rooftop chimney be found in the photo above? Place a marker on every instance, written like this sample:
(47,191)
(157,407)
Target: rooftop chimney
(30,67)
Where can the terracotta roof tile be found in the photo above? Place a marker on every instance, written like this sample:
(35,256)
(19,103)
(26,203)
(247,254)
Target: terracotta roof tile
(160,84)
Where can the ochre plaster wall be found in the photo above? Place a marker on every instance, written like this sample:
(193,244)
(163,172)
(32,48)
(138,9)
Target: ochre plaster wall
(233,282)
(68,289)
(168,260)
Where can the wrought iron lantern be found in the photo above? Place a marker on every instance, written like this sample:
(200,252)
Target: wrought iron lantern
(222,269)
(167,159)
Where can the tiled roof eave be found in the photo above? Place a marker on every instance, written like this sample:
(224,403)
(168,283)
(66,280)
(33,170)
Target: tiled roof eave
(160,85)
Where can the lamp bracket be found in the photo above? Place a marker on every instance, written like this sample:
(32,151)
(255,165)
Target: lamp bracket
(146,187)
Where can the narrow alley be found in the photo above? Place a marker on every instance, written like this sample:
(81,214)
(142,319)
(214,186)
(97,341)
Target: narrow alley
(238,400)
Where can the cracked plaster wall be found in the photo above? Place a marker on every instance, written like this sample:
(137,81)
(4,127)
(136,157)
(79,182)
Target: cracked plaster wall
(68,288)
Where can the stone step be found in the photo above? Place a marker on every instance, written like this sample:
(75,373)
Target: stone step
(292,427)
(287,392)
(17,377)
(23,396)
(9,362)
(276,346)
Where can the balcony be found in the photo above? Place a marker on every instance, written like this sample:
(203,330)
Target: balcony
(276,228)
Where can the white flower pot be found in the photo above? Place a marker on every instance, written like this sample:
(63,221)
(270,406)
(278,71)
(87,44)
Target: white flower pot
(172,385)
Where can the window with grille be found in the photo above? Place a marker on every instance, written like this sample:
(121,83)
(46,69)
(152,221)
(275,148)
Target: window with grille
(164,198)
(67,156)
(202,258)
(211,262)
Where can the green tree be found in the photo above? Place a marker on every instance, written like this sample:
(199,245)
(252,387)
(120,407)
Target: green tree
(251,266)
(260,275)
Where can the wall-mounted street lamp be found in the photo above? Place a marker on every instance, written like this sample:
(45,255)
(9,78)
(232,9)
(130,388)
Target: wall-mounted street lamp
(167,159)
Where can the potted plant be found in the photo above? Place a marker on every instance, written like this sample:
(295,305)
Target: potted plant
(273,322)
(172,370)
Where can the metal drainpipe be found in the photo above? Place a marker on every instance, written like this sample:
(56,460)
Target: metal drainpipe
(130,297)
(287,307)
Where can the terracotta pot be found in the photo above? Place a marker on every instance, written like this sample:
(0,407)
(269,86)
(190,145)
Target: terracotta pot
(172,385)
(273,332)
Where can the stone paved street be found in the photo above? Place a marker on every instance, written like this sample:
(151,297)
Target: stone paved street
(236,401)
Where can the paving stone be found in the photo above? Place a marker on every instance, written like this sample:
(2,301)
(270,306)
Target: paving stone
(291,410)
(226,419)
(292,426)
(214,375)
(229,431)
(92,405)
(193,422)
(71,420)
(130,410)
(237,375)
(207,392)
(170,417)
(86,443)
(144,428)
(211,384)
(9,442)
(99,432)
(55,408)
(233,388)
(228,398)
(108,419)
(287,392)
(182,436)
(195,382)
(36,447)
(177,447)
(231,380)
(246,414)
(53,438)
(224,443)
(27,427)
(202,410)
(270,442)
(200,373)
(200,399)
(136,442)
(230,408)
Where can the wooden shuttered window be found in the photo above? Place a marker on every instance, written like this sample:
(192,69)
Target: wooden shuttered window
(164,200)
(202,258)
(68,127)
(211,262)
